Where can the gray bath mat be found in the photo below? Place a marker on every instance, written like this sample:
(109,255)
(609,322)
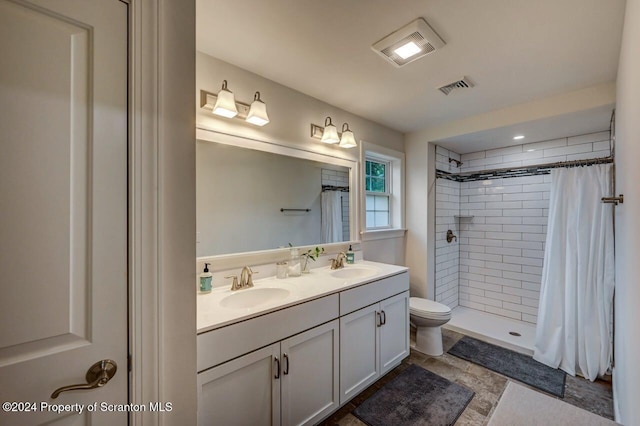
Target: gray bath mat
(415,397)
(512,364)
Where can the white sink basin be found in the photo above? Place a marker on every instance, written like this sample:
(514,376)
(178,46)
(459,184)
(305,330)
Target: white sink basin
(245,299)
(353,272)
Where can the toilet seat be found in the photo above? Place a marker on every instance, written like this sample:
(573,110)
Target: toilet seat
(426,308)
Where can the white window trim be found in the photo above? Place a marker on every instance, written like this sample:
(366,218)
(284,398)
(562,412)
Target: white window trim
(388,170)
(397,186)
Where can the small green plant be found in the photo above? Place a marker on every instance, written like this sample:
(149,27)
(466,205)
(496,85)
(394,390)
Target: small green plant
(312,254)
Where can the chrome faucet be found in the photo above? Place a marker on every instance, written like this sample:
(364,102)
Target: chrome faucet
(338,262)
(246,279)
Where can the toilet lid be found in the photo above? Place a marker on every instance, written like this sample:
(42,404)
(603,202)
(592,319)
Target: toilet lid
(418,304)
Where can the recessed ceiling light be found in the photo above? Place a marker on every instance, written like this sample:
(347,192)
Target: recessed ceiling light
(407,50)
(530,150)
(517,138)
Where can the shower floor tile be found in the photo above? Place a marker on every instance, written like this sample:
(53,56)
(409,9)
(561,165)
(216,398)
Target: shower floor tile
(493,329)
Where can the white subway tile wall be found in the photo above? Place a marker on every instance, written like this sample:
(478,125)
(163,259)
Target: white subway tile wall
(500,250)
(447,207)
(339,178)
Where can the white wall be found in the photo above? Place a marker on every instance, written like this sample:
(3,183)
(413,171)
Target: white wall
(626,378)
(420,186)
(291,114)
(240,193)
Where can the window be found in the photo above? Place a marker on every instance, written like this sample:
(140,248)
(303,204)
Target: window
(377,194)
(382,215)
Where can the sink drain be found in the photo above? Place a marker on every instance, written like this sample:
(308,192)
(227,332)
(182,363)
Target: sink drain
(515,333)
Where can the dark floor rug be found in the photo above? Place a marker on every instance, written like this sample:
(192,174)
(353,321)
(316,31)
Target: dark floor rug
(512,364)
(415,397)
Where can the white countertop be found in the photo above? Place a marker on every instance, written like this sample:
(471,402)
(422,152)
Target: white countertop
(320,282)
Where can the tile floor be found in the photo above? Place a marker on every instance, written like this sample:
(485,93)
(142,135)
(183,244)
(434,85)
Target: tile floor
(488,386)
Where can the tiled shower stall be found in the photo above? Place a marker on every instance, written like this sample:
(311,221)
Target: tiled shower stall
(496,263)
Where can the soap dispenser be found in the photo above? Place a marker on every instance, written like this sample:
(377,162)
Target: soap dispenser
(351,256)
(205,279)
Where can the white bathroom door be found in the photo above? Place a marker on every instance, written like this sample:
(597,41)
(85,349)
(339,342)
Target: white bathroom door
(63,215)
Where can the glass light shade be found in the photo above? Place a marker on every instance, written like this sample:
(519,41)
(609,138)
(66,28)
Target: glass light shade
(347,140)
(225,103)
(258,113)
(330,133)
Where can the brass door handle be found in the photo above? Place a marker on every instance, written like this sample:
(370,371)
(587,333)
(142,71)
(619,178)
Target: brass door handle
(97,376)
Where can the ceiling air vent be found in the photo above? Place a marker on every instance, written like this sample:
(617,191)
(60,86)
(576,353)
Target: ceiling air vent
(463,83)
(409,43)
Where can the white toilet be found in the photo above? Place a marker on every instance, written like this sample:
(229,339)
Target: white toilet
(428,316)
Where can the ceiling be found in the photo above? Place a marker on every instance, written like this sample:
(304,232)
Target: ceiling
(515,51)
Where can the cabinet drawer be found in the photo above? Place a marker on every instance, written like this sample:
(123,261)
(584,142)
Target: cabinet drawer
(223,344)
(367,294)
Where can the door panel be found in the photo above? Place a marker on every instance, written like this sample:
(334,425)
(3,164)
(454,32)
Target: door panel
(394,334)
(310,377)
(63,185)
(241,392)
(358,351)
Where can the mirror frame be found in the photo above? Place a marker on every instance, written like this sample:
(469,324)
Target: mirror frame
(231,260)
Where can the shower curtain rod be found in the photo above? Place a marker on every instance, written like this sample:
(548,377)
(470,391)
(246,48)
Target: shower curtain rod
(335,188)
(509,172)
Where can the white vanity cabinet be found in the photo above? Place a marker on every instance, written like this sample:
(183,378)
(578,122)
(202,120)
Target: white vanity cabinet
(294,381)
(241,392)
(373,339)
(297,365)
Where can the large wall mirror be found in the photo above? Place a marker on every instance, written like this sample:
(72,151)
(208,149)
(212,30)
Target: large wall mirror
(254,196)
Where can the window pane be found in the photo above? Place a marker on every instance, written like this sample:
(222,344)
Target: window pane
(381,203)
(370,202)
(367,184)
(368,168)
(370,220)
(381,219)
(377,184)
(377,169)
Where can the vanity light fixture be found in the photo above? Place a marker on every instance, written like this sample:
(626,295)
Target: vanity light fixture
(347,140)
(225,105)
(330,133)
(258,111)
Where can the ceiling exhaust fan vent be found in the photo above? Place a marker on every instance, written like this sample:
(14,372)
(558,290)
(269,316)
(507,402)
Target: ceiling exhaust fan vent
(463,83)
(413,41)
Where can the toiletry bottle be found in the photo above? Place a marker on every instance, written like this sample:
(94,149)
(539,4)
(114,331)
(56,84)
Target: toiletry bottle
(350,255)
(205,279)
(295,266)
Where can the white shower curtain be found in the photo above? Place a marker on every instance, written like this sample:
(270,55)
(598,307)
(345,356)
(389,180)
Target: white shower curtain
(331,216)
(573,331)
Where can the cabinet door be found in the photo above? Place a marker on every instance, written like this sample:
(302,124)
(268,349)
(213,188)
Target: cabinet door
(359,366)
(241,392)
(394,332)
(310,389)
